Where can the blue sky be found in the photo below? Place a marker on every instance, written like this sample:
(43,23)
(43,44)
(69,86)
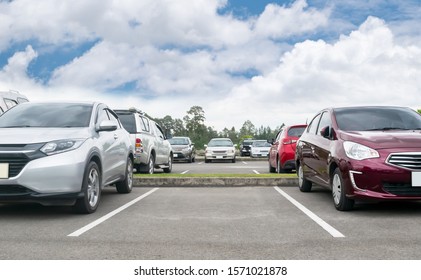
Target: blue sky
(279,61)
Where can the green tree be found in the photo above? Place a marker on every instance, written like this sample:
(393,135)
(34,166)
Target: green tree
(419,111)
(248,128)
(195,126)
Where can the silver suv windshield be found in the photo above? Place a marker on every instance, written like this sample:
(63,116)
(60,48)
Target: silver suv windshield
(47,115)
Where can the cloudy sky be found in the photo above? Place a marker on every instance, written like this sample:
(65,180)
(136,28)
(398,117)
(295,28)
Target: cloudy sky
(270,62)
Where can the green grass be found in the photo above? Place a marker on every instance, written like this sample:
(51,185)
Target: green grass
(173,175)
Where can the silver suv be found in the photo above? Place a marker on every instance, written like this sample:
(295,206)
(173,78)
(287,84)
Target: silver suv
(63,154)
(9,99)
(151,147)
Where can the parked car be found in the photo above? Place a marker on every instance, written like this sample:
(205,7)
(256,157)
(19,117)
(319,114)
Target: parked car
(259,148)
(362,153)
(245,147)
(183,149)
(220,149)
(282,150)
(63,154)
(152,149)
(9,99)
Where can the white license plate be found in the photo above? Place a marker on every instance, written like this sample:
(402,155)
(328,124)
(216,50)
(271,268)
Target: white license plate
(175,155)
(4,170)
(219,156)
(416,179)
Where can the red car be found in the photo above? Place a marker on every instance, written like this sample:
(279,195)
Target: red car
(371,153)
(282,151)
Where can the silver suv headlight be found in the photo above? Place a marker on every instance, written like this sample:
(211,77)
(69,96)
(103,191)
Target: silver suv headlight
(61,146)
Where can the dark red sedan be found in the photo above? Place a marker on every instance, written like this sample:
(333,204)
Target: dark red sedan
(362,153)
(282,150)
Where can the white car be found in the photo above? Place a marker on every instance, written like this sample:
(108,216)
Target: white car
(259,148)
(220,149)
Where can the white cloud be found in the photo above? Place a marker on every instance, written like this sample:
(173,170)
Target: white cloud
(281,22)
(184,53)
(367,67)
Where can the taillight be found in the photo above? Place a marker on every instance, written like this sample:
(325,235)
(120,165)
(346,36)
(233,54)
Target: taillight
(289,141)
(138,143)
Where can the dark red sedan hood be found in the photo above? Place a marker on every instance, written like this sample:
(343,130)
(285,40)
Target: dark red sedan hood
(384,139)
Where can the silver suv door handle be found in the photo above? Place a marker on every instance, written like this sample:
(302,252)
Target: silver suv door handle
(115,136)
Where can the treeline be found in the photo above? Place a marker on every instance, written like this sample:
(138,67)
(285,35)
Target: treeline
(193,125)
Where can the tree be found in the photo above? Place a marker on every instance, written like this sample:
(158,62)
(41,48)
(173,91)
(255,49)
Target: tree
(248,128)
(419,111)
(195,126)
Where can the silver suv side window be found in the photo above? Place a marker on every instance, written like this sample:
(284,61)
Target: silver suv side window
(159,131)
(102,115)
(10,103)
(144,123)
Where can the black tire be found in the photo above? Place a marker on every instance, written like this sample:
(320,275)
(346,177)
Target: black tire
(340,200)
(271,168)
(91,188)
(207,160)
(150,167)
(233,160)
(278,167)
(304,184)
(126,185)
(169,164)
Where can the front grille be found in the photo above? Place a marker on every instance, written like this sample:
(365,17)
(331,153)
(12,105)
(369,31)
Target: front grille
(402,189)
(16,164)
(406,160)
(219,152)
(13,189)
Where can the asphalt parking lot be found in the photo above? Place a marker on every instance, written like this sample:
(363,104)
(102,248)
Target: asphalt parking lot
(201,223)
(241,166)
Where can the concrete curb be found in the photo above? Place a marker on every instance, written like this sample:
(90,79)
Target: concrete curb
(213,182)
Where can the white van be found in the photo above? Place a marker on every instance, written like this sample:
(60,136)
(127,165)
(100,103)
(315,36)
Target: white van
(10,98)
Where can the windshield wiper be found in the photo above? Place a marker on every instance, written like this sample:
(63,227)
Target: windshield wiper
(387,128)
(15,126)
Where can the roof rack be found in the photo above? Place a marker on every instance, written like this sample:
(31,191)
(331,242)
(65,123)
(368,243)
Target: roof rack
(135,110)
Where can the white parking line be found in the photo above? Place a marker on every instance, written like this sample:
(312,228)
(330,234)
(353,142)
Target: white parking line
(109,215)
(244,162)
(331,230)
(184,172)
(200,162)
(255,171)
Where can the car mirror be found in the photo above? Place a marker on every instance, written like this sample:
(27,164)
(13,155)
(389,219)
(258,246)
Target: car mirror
(325,132)
(107,126)
(271,141)
(205,146)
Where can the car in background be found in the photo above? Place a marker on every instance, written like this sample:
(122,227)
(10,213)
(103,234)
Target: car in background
(245,147)
(259,148)
(63,154)
(220,149)
(151,147)
(368,152)
(282,150)
(183,149)
(9,99)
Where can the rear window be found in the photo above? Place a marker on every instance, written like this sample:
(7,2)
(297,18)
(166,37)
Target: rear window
(296,131)
(129,122)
